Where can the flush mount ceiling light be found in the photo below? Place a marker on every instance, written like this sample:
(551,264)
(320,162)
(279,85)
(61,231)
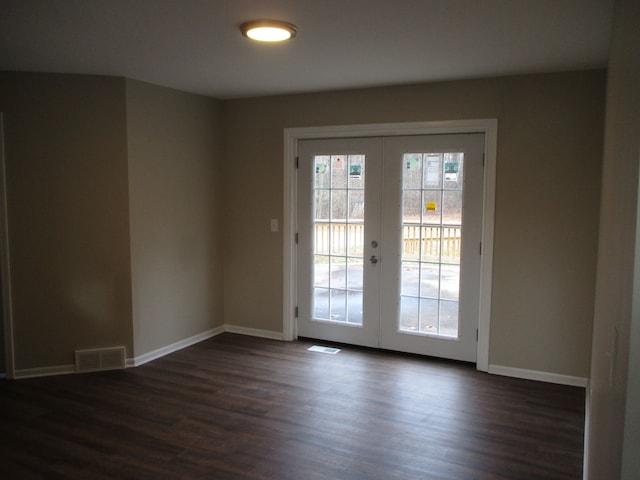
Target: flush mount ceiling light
(268,30)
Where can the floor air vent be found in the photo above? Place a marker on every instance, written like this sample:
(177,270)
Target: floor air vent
(98,359)
(318,348)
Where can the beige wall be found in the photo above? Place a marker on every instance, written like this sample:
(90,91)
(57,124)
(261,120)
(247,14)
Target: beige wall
(3,364)
(106,147)
(175,194)
(114,210)
(3,325)
(66,157)
(3,338)
(548,183)
(615,383)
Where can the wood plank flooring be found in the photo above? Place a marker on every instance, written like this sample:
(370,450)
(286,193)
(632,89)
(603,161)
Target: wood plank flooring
(236,407)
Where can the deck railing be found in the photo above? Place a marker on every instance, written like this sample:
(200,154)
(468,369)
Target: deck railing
(348,238)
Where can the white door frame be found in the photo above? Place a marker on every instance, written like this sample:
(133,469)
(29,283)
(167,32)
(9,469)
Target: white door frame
(5,268)
(291,136)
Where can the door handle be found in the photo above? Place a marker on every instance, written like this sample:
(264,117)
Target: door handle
(374,259)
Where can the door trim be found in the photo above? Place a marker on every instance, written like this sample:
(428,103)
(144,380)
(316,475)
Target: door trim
(5,267)
(489,127)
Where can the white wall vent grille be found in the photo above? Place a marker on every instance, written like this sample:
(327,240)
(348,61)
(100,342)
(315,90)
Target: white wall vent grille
(98,359)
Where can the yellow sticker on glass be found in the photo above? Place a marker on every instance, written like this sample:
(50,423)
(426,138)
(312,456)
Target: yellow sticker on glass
(432,205)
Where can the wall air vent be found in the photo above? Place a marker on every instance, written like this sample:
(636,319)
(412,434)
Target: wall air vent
(99,359)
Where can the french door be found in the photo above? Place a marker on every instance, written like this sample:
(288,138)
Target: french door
(389,233)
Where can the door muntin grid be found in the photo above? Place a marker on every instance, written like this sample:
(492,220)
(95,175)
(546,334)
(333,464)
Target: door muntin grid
(432,194)
(338,238)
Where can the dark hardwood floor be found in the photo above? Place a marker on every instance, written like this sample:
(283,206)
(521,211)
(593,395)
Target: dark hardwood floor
(236,407)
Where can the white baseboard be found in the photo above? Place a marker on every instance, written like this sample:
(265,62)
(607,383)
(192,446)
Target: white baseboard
(166,350)
(45,371)
(538,376)
(187,342)
(254,332)
(155,354)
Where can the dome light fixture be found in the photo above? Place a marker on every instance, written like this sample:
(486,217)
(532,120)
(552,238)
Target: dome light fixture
(268,30)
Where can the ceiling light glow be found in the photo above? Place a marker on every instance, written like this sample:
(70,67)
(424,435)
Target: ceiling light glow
(268,30)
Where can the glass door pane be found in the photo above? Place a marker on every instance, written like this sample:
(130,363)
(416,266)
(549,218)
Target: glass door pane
(338,233)
(431,235)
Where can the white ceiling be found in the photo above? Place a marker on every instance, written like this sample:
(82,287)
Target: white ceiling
(196,45)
